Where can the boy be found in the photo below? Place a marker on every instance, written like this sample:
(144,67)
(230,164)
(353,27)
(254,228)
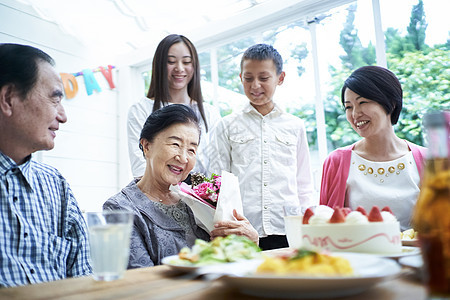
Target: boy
(265,147)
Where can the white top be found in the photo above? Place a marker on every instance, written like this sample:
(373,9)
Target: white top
(270,156)
(390,183)
(138,114)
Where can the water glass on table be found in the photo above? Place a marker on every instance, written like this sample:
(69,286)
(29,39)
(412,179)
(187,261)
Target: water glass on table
(109,239)
(293,218)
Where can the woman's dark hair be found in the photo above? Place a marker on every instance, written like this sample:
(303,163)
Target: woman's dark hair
(163,118)
(159,85)
(263,52)
(19,66)
(377,84)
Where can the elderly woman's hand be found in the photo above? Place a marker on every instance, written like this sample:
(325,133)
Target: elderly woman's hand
(239,227)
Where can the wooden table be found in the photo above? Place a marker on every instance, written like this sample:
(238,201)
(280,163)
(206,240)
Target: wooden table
(163,283)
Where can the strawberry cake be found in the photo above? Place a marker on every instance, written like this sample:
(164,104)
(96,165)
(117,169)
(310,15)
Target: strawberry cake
(341,229)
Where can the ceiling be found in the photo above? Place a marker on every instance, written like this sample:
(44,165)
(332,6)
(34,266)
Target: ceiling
(132,28)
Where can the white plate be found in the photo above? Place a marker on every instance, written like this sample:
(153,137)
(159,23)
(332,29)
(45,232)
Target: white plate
(406,251)
(410,242)
(222,268)
(369,269)
(172,261)
(413,261)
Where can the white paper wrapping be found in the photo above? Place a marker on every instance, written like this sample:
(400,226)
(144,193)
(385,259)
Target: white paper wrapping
(203,213)
(229,199)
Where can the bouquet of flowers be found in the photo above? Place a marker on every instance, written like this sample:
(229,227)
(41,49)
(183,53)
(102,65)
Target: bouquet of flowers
(207,188)
(211,199)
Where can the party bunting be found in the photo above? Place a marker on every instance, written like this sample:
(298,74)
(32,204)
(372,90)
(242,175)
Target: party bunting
(71,85)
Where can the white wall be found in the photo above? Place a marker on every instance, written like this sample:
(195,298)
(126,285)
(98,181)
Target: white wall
(90,149)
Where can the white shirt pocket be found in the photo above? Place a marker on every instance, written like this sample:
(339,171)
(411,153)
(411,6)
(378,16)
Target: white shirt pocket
(286,149)
(243,149)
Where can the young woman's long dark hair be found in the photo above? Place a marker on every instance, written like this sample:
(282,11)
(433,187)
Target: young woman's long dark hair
(159,86)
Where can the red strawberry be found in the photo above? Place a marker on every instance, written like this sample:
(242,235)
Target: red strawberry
(308,214)
(375,215)
(361,210)
(346,210)
(338,216)
(388,209)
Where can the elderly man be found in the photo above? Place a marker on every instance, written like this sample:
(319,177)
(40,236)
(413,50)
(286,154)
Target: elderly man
(43,235)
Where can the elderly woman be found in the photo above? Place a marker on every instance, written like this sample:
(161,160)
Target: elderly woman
(163,224)
(380,169)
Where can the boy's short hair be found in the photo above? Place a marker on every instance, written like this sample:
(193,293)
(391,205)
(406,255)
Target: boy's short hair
(263,52)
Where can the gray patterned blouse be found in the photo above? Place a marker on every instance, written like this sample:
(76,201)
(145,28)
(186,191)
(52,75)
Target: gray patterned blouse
(159,230)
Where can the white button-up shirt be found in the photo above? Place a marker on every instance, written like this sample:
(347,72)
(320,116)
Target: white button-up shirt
(270,156)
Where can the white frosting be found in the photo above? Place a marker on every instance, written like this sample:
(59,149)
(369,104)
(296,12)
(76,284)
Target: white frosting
(372,237)
(324,209)
(357,234)
(355,217)
(322,215)
(318,219)
(388,217)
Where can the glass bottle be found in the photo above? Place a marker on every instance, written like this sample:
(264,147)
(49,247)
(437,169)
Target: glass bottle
(432,213)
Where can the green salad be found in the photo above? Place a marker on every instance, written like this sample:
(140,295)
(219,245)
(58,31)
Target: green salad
(220,250)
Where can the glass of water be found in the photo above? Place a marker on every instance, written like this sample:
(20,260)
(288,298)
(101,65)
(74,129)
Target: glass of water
(293,218)
(109,239)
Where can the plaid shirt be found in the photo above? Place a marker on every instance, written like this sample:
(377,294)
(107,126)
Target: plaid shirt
(43,234)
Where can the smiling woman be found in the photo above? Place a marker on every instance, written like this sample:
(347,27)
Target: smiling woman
(380,169)
(175,79)
(171,154)
(163,224)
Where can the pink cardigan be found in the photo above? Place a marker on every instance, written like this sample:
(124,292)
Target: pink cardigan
(337,166)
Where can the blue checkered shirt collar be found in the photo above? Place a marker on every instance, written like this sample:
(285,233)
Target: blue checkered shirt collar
(7,164)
